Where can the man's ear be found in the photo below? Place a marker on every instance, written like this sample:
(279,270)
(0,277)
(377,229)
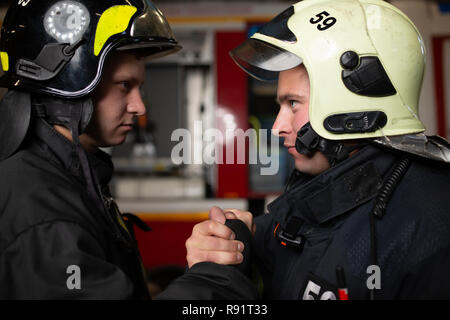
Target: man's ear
(87,106)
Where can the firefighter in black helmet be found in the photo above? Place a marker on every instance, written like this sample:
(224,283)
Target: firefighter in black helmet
(73,70)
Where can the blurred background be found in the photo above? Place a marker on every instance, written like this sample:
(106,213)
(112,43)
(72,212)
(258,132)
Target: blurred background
(201,83)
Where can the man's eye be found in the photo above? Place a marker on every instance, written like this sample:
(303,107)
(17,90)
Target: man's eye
(125,84)
(293,103)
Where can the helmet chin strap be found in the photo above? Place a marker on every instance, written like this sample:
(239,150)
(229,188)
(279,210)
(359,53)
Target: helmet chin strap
(75,116)
(308,142)
(75,124)
(64,112)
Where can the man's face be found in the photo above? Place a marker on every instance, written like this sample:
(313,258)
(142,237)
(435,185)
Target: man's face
(293,98)
(117,100)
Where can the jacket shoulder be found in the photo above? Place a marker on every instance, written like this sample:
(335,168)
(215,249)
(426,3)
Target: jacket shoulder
(34,190)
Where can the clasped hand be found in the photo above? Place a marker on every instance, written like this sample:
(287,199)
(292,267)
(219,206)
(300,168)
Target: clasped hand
(212,241)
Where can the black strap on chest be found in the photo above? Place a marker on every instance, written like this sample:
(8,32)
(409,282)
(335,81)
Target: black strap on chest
(132,220)
(393,179)
(289,236)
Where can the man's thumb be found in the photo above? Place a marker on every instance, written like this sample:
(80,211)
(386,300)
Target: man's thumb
(217,214)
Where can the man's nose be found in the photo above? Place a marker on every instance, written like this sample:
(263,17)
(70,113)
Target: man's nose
(282,125)
(136,105)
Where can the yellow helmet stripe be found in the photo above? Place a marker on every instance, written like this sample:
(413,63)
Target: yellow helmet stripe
(5,60)
(113,21)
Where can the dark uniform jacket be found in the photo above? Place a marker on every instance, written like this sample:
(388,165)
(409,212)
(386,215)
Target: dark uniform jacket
(51,231)
(406,255)
(57,242)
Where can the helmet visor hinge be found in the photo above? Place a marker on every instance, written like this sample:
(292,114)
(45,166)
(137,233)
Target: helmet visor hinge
(69,50)
(52,58)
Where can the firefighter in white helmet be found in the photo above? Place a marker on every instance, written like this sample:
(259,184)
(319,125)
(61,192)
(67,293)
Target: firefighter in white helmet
(365,214)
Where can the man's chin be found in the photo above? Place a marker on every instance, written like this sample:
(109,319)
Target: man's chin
(119,141)
(113,142)
(314,165)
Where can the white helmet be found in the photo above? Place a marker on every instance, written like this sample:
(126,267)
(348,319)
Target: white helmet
(365,61)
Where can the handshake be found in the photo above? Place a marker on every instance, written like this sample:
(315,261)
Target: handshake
(224,239)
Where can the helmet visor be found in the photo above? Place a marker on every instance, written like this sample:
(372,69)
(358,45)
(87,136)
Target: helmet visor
(262,60)
(152,31)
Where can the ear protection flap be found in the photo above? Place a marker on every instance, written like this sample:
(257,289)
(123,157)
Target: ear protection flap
(15,110)
(61,112)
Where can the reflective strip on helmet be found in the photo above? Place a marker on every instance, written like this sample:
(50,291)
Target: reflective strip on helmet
(113,21)
(67,21)
(5,61)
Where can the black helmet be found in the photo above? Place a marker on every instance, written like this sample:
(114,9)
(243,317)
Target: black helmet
(58,47)
(53,50)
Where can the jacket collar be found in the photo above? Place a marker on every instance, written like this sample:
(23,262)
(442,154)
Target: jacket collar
(63,152)
(335,191)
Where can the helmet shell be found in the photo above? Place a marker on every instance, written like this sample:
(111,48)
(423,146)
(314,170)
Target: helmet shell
(321,32)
